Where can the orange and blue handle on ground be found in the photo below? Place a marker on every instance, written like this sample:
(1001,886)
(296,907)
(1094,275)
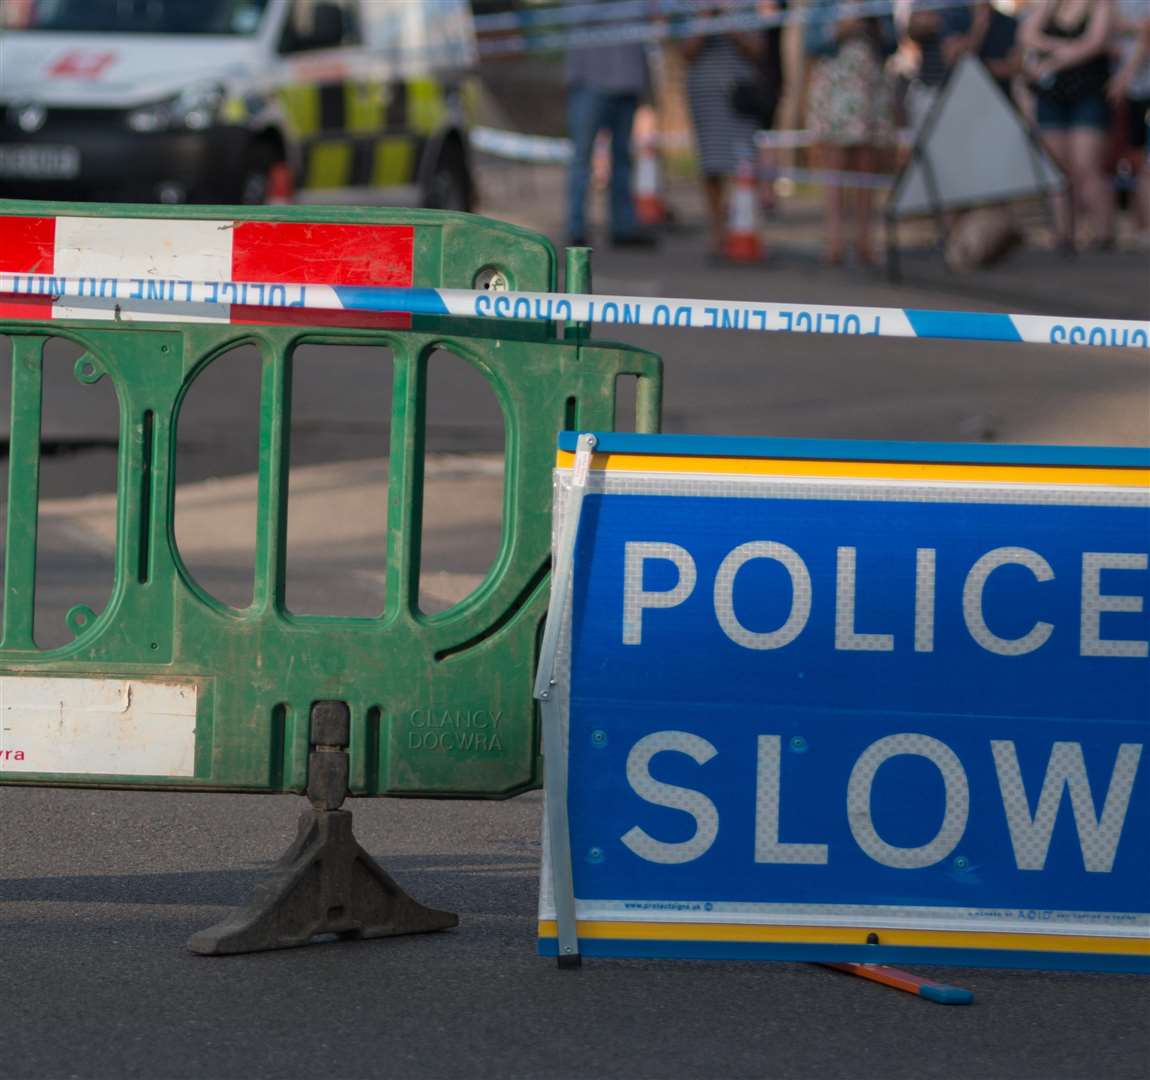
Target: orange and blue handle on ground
(942,993)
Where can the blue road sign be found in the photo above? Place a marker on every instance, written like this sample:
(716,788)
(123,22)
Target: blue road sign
(816,692)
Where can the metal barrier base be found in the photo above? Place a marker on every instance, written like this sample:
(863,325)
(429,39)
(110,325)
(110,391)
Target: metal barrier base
(324,884)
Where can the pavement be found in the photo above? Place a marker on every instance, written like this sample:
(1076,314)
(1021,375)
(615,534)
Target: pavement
(99,890)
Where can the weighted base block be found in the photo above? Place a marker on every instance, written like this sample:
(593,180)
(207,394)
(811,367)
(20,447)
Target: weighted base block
(324,884)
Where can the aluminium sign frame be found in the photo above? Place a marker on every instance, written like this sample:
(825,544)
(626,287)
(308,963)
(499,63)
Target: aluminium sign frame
(626,802)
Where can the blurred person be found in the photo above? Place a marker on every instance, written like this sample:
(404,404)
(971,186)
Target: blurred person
(721,70)
(1068,66)
(19,13)
(818,36)
(921,25)
(772,75)
(851,114)
(605,85)
(985,235)
(1129,89)
(985,31)
(818,44)
(15,14)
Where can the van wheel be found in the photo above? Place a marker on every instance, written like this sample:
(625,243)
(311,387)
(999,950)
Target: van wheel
(260,163)
(450,185)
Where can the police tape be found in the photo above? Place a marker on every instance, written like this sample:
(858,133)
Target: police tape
(515,146)
(650,21)
(802,138)
(127,299)
(553,150)
(599,11)
(830,177)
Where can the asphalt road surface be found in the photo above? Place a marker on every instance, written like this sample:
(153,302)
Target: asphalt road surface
(99,891)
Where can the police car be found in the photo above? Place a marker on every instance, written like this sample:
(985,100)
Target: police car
(232,100)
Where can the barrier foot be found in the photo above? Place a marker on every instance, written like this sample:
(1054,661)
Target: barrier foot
(325,884)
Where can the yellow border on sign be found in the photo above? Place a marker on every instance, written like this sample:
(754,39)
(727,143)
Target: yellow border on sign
(858,470)
(864,470)
(849,935)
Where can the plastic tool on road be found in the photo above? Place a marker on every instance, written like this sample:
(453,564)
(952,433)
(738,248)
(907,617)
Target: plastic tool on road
(941,993)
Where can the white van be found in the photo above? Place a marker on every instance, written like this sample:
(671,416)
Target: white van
(221,100)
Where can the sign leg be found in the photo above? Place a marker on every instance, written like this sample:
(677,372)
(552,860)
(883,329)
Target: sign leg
(546,691)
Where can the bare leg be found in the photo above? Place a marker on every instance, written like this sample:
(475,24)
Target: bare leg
(1142,199)
(1087,148)
(716,211)
(1058,143)
(864,159)
(833,157)
(767,156)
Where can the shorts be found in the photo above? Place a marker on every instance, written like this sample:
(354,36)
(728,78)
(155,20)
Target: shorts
(1090,112)
(1138,119)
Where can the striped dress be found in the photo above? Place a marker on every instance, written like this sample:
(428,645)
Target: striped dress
(723,137)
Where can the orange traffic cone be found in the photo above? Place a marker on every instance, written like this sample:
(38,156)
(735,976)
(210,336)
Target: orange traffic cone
(742,243)
(281,185)
(649,206)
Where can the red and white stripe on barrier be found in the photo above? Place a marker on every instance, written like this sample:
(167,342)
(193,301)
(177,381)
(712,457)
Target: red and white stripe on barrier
(152,253)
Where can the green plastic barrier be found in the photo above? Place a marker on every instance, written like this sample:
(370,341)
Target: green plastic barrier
(238,686)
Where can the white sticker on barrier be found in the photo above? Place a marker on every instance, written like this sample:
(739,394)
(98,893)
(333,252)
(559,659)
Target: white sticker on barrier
(140,252)
(97,727)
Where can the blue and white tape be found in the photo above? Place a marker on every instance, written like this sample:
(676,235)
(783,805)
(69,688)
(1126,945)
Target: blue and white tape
(129,297)
(800,138)
(580,14)
(648,21)
(830,177)
(515,146)
(552,150)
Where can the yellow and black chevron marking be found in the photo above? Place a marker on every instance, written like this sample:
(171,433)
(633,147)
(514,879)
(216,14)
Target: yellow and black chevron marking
(361,134)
